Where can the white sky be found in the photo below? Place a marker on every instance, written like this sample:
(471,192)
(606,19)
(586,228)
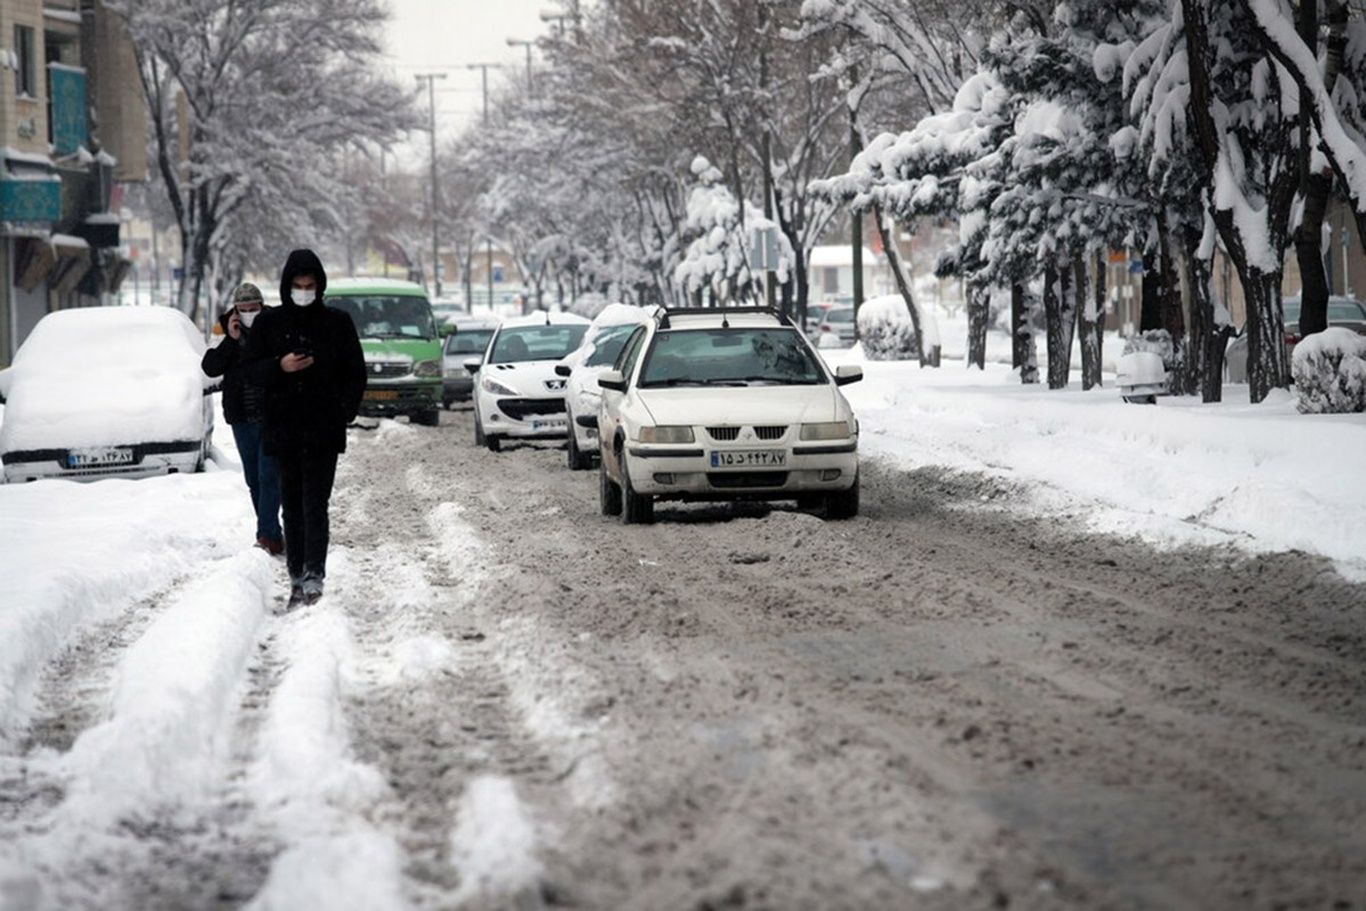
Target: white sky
(447,35)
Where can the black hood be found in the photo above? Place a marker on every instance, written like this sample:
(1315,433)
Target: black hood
(302,262)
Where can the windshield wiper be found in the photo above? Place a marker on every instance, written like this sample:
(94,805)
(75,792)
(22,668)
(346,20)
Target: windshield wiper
(673,381)
(775,381)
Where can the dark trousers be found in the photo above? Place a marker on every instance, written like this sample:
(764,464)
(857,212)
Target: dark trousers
(305,487)
(262,476)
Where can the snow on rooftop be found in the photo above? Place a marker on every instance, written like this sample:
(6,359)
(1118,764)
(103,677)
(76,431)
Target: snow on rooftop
(836,255)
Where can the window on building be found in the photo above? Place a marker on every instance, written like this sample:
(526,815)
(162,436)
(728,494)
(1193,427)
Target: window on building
(24,83)
(831,281)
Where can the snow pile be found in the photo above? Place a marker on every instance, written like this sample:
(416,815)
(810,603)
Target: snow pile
(886,330)
(104,376)
(1330,372)
(493,845)
(173,699)
(1155,341)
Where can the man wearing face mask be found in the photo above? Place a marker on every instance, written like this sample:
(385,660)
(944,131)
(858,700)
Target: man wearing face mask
(243,405)
(307,358)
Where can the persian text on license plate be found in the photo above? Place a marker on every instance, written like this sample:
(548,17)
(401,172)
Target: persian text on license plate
(749,458)
(381,395)
(551,424)
(85,458)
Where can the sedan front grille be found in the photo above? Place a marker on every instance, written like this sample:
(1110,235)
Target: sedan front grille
(723,434)
(385,369)
(521,409)
(770,433)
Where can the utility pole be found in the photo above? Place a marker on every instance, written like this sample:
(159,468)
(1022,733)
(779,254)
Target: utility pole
(770,292)
(856,233)
(484,68)
(518,42)
(430,79)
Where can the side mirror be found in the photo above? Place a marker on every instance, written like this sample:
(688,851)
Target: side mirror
(446,329)
(564,370)
(472,364)
(848,373)
(613,380)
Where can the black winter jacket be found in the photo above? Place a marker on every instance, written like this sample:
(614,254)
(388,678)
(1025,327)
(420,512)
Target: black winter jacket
(242,402)
(306,411)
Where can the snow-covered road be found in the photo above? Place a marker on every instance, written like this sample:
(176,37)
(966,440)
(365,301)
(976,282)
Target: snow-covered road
(506,701)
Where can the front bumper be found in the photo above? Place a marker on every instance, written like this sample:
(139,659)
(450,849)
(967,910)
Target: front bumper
(523,418)
(686,473)
(384,399)
(149,460)
(585,430)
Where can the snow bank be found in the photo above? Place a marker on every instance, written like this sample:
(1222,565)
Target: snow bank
(1260,477)
(72,555)
(886,330)
(493,846)
(104,376)
(1330,372)
(173,699)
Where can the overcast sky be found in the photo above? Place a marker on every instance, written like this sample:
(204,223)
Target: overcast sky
(447,35)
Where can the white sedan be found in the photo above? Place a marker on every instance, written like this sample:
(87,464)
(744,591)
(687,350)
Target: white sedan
(601,347)
(106,391)
(517,394)
(725,404)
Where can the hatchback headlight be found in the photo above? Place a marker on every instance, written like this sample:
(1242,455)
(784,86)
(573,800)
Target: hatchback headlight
(666,435)
(427,368)
(835,430)
(496,388)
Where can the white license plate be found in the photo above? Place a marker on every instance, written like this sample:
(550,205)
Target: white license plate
(85,458)
(749,458)
(551,424)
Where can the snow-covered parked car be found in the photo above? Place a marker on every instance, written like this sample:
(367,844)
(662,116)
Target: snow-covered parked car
(470,339)
(601,347)
(725,404)
(103,391)
(517,393)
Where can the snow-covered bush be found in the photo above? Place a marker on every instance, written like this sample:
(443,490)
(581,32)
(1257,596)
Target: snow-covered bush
(886,330)
(1330,372)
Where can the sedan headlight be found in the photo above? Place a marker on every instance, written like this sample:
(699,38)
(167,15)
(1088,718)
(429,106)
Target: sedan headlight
(835,430)
(666,435)
(494,387)
(427,368)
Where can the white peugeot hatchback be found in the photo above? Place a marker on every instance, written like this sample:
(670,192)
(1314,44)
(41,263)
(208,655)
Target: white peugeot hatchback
(725,404)
(517,393)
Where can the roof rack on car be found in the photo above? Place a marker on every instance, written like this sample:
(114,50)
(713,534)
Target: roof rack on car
(723,312)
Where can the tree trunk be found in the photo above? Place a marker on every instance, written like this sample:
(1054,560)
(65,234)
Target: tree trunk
(1173,320)
(1060,314)
(979,310)
(1091,311)
(1266,367)
(902,286)
(1208,338)
(1150,305)
(1023,356)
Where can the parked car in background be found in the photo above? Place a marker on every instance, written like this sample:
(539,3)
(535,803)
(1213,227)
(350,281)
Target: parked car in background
(836,329)
(470,339)
(401,342)
(601,347)
(517,393)
(447,310)
(1346,312)
(725,404)
(106,391)
(815,314)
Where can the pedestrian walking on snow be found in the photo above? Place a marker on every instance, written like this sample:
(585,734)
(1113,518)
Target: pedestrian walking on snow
(243,405)
(307,358)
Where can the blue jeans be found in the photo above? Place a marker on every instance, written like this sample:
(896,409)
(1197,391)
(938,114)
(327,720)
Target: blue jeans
(263,478)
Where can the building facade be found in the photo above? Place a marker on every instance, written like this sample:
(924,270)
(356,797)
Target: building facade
(73,126)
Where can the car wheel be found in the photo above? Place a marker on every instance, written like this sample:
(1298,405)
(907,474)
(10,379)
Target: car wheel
(495,444)
(428,418)
(1141,399)
(609,494)
(810,501)
(577,460)
(842,504)
(636,508)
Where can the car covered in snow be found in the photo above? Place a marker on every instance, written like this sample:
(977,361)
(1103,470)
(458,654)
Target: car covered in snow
(517,393)
(836,328)
(725,404)
(601,347)
(1344,312)
(470,339)
(106,391)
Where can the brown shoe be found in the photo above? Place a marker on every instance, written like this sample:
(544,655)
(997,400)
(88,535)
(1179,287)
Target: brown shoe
(272,546)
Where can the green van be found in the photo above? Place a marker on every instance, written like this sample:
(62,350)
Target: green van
(401,342)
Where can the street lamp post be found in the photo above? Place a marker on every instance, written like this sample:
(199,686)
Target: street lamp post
(430,79)
(484,68)
(518,42)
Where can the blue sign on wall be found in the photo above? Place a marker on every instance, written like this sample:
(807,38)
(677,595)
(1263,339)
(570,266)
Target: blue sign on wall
(67,85)
(30,200)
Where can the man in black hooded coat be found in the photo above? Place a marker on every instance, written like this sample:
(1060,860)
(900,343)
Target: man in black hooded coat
(307,358)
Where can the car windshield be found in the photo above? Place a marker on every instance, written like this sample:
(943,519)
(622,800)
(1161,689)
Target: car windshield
(1343,310)
(730,357)
(840,316)
(536,343)
(387,317)
(607,346)
(468,341)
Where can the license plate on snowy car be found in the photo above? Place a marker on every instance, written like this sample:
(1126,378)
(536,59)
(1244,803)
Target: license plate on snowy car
(86,458)
(551,424)
(750,458)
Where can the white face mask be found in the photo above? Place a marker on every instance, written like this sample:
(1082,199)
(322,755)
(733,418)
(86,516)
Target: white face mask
(248,318)
(302,298)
